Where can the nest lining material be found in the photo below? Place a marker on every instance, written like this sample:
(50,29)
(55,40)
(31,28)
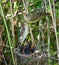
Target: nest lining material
(37,54)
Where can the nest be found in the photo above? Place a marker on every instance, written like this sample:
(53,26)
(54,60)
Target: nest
(36,58)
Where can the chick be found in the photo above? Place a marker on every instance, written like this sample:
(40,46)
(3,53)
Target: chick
(27,49)
(32,48)
(22,48)
(29,43)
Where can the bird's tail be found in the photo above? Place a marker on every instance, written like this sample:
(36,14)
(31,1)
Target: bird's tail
(46,14)
(38,16)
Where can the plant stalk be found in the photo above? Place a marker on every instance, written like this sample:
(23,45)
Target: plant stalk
(54,24)
(8,35)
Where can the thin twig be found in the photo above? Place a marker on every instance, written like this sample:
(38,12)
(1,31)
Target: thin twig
(48,34)
(4,59)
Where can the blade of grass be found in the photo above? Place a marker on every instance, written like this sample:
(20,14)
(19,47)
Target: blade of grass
(12,24)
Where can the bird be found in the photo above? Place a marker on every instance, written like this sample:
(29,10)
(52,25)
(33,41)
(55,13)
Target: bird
(33,48)
(22,48)
(35,15)
(30,43)
(27,49)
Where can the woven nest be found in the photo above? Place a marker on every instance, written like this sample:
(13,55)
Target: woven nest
(36,58)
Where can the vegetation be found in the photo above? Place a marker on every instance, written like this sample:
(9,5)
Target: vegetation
(25,20)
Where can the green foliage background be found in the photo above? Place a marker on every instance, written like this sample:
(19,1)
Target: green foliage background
(39,28)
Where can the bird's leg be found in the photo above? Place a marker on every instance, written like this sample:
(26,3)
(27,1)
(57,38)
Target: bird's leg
(32,38)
